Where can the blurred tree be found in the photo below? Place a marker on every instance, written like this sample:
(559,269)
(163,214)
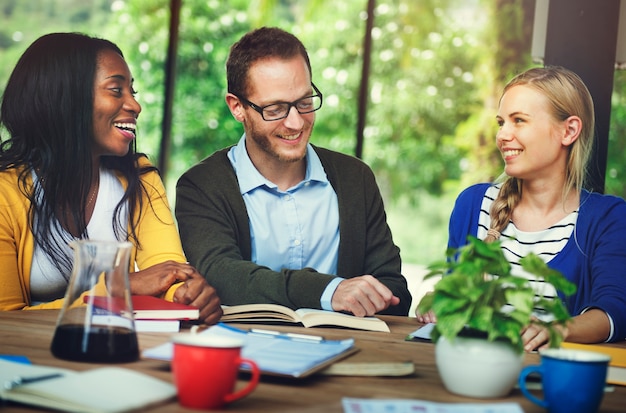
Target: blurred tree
(201,120)
(507,38)
(437,69)
(21,22)
(423,57)
(616,162)
(422,87)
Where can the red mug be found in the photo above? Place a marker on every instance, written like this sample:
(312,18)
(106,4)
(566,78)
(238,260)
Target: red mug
(205,370)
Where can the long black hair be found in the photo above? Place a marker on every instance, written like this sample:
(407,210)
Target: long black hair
(47,110)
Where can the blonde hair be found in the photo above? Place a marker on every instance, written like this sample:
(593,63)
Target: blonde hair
(568,96)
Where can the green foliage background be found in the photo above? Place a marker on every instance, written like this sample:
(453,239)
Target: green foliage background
(436,71)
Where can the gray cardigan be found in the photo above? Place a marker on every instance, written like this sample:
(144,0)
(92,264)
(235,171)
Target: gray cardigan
(215,233)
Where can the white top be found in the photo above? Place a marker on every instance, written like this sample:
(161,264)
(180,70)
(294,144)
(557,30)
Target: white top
(46,281)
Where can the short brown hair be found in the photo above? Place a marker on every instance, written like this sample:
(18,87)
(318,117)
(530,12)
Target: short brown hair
(259,44)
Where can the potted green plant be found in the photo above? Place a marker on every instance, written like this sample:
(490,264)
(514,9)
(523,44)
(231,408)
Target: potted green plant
(481,310)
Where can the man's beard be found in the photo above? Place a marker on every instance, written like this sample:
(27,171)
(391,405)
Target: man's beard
(264,142)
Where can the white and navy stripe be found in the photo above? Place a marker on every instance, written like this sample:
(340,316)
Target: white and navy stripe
(516,244)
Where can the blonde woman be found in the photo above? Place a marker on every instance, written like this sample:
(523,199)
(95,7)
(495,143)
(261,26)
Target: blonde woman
(545,136)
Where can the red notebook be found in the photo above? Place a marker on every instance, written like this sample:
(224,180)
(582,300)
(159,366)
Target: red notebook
(146,307)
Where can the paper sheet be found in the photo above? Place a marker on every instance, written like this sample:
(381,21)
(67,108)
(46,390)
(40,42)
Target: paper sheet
(351,405)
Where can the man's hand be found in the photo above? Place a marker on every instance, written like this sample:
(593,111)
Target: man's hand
(194,291)
(197,292)
(362,296)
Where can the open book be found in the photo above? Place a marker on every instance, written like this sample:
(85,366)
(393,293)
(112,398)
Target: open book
(308,317)
(100,390)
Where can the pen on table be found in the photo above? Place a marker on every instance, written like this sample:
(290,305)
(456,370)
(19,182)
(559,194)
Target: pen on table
(290,336)
(18,381)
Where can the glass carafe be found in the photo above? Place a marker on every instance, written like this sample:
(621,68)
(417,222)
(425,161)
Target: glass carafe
(96,323)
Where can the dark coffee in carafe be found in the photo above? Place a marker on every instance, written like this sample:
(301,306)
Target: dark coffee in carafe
(96,322)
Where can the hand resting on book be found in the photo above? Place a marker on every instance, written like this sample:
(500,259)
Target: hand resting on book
(363,296)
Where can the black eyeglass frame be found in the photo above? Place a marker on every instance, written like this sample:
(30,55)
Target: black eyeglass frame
(260,109)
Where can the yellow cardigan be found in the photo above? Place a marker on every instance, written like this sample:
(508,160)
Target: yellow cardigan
(156,231)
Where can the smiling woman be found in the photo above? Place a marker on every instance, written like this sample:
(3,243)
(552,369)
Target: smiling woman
(69,170)
(115,108)
(545,136)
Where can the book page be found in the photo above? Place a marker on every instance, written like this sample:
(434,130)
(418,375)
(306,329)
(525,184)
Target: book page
(157,326)
(616,375)
(259,312)
(422,333)
(312,317)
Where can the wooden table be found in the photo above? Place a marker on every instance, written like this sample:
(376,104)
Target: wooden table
(29,333)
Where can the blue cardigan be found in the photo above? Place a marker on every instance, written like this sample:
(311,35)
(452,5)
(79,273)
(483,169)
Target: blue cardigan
(594,258)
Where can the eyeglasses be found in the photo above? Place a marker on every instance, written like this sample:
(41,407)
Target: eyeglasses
(280,110)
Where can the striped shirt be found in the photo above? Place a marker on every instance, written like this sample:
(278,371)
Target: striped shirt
(517,243)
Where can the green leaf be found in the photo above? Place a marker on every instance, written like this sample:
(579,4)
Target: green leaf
(535,265)
(481,317)
(556,308)
(426,303)
(522,300)
(521,317)
(452,285)
(493,260)
(508,329)
(451,325)
(444,305)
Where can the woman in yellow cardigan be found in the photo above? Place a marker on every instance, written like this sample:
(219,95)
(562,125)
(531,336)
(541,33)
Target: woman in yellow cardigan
(69,170)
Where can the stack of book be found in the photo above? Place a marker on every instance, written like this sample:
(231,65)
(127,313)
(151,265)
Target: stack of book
(153,314)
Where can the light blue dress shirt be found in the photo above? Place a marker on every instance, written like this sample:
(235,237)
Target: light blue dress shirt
(291,229)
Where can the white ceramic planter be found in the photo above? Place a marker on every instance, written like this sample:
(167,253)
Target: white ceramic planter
(476,367)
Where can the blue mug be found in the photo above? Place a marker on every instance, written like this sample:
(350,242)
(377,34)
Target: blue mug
(572,380)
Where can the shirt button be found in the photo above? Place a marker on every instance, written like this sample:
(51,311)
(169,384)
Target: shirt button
(287,198)
(297,242)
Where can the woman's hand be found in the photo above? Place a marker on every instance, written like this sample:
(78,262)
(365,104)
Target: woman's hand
(535,337)
(429,317)
(157,279)
(592,326)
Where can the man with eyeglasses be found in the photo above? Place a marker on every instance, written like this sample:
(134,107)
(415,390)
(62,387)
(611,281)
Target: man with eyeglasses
(274,219)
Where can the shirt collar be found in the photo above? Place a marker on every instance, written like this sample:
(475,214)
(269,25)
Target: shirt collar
(250,178)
